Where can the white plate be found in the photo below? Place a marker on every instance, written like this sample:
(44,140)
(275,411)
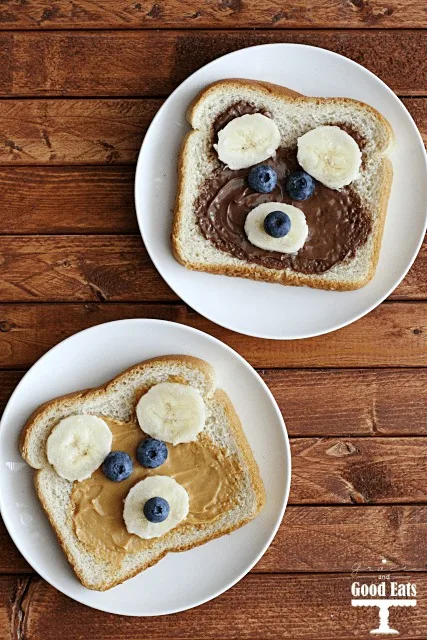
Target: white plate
(181,580)
(269,310)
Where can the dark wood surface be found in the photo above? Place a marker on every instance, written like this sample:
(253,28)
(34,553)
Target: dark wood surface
(93,131)
(152,63)
(80,82)
(182,14)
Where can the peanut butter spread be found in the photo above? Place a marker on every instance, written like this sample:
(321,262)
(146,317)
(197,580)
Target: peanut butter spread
(210,477)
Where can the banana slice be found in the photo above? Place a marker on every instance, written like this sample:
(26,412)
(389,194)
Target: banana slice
(78,445)
(291,242)
(155,487)
(247,140)
(172,412)
(330,155)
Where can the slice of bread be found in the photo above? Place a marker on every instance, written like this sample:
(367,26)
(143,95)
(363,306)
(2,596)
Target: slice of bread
(117,400)
(294,115)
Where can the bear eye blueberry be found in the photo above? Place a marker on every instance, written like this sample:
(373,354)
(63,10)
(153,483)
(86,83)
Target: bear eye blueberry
(262,178)
(277,224)
(151,453)
(300,185)
(117,466)
(156,509)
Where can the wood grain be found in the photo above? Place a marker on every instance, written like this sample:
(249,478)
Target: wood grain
(90,131)
(67,200)
(8,382)
(267,607)
(414,286)
(322,539)
(418,111)
(11,561)
(78,268)
(152,63)
(105,267)
(11,590)
(76,131)
(352,402)
(358,470)
(86,200)
(361,402)
(344,539)
(54,181)
(394,335)
(65,14)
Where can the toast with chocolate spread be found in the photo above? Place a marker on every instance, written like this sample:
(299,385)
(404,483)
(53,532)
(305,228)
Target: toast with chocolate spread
(309,211)
(155,461)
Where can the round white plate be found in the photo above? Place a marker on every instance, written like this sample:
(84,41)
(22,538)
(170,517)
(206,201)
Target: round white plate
(181,580)
(269,310)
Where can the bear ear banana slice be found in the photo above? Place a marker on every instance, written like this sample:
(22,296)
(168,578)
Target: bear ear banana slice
(247,140)
(78,445)
(172,412)
(330,155)
(155,487)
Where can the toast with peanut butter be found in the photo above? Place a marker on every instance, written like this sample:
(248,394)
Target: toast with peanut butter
(155,461)
(281,187)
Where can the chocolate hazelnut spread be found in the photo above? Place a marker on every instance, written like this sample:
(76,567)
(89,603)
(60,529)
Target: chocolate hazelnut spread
(359,139)
(235,111)
(337,221)
(209,475)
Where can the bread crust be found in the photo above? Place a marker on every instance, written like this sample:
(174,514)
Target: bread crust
(233,423)
(32,420)
(254,271)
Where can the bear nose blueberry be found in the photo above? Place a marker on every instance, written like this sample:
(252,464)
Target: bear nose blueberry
(277,224)
(156,509)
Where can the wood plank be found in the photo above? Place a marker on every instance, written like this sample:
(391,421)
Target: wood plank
(75,131)
(322,539)
(225,14)
(392,335)
(72,268)
(414,285)
(418,110)
(8,382)
(99,200)
(67,200)
(117,268)
(11,561)
(358,470)
(348,402)
(11,591)
(64,132)
(267,607)
(344,539)
(152,63)
(352,402)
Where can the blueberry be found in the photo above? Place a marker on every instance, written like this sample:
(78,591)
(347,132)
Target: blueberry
(277,224)
(262,178)
(299,185)
(117,466)
(152,453)
(156,509)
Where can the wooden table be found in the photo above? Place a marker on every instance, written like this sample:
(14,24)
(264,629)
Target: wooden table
(80,81)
